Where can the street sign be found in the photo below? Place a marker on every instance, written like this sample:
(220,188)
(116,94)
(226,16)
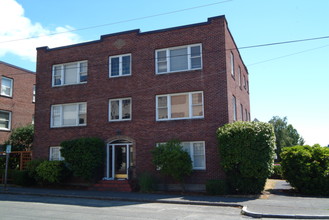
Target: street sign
(8,149)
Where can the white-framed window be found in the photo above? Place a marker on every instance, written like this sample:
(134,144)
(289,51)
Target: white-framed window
(6,87)
(67,115)
(179,106)
(232,64)
(177,59)
(120,65)
(241,106)
(70,73)
(33,93)
(196,150)
(55,153)
(5,120)
(234,107)
(120,109)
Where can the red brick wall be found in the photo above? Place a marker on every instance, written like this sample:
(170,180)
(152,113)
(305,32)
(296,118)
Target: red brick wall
(142,86)
(20,104)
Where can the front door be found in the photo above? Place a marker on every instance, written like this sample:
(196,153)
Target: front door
(119,159)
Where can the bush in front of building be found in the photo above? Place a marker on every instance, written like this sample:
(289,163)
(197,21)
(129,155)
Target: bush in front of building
(84,156)
(277,172)
(246,155)
(172,160)
(307,168)
(51,172)
(146,182)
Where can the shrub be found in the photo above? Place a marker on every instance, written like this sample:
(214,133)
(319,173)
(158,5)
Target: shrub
(307,168)
(84,156)
(31,169)
(22,178)
(246,151)
(146,182)
(277,172)
(172,160)
(52,172)
(217,187)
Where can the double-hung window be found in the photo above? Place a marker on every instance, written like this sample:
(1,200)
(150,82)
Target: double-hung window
(55,154)
(120,109)
(5,120)
(6,87)
(68,115)
(120,65)
(70,73)
(232,64)
(176,59)
(234,108)
(196,150)
(179,106)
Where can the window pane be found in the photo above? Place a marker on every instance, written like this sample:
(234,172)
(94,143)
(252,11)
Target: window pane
(70,73)
(199,157)
(179,106)
(162,101)
(162,61)
(115,62)
(6,86)
(82,114)
(56,116)
(57,75)
(178,59)
(195,51)
(69,114)
(4,120)
(197,98)
(83,71)
(196,62)
(197,109)
(126,65)
(115,110)
(126,109)
(162,113)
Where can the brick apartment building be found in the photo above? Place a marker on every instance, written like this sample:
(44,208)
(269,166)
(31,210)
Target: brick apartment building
(16,98)
(136,89)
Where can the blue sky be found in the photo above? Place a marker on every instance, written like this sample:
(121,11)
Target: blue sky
(285,80)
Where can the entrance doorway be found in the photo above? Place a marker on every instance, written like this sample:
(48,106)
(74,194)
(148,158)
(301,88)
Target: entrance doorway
(119,159)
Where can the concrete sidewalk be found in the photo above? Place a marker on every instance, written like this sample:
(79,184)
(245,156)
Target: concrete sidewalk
(277,204)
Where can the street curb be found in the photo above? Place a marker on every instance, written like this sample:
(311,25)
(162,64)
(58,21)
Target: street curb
(128,199)
(245,212)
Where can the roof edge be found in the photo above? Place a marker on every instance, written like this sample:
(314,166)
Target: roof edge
(17,67)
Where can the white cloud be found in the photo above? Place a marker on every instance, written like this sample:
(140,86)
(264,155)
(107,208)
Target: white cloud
(14,26)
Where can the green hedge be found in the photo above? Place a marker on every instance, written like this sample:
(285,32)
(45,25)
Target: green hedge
(307,168)
(84,156)
(52,172)
(217,187)
(246,155)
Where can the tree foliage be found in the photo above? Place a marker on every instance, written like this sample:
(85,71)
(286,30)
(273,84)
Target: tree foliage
(84,156)
(21,138)
(172,160)
(307,168)
(286,135)
(246,151)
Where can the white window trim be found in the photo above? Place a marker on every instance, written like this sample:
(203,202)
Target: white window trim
(61,115)
(192,153)
(169,106)
(33,94)
(232,64)
(62,73)
(234,108)
(11,86)
(120,110)
(51,151)
(120,65)
(168,58)
(9,124)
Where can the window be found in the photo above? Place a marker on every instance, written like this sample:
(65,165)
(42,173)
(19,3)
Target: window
(246,114)
(196,150)
(120,109)
(234,107)
(120,65)
(240,83)
(7,87)
(232,64)
(5,120)
(241,112)
(178,59)
(244,82)
(69,115)
(70,73)
(55,154)
(179,106)
(33,93)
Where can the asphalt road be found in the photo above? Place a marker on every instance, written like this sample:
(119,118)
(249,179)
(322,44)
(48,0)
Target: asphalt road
(35,207)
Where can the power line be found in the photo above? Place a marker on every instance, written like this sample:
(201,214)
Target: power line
(119,22)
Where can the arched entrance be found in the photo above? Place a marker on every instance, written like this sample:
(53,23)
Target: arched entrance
(119,157)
